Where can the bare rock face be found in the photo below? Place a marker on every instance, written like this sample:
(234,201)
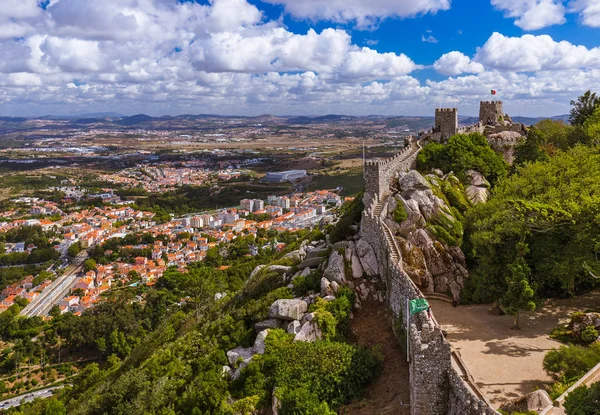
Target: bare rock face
(414,264)
(505,143)
(294,327)
(535,401)
(271,323)
(367,258)
(280,269)
(259,343)
(326,288)
(309,332)
(417,189)
(479,189)
(335,270)
(448,274)
(288,309)
(413,181)
(234,354)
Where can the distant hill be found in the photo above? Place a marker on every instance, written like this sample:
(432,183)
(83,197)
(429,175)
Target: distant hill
(207,121)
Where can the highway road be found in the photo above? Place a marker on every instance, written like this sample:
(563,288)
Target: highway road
(28,397)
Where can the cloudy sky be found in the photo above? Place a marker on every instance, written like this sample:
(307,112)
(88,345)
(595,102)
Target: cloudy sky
(311,57)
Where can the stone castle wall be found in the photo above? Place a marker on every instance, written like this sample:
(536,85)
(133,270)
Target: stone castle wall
(436,387)
(490,112)
(380,173)
(446,122)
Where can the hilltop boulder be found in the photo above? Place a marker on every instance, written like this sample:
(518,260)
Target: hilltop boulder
(367,258)
(288,309)
(335,270)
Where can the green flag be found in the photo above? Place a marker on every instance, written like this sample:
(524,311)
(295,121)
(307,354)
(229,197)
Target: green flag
(418,305)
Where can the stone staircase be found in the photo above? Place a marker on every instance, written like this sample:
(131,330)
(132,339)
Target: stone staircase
(394,251)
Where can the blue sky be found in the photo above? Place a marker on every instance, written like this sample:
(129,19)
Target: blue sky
(310,57)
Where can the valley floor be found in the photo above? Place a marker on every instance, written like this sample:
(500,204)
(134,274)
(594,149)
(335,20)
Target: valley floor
(389,394)
(505,363)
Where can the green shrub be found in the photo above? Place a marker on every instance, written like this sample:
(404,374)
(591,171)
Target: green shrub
(571,362)
(350,215)
(326,322)
(303,285)
(589,334)
(400,214)
(333,372)
(584,401)
(302,402)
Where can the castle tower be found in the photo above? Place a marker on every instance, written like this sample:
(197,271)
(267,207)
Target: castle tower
(490,112)
(446,122)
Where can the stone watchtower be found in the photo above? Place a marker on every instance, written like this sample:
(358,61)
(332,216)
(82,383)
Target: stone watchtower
(446,122)
(490,112)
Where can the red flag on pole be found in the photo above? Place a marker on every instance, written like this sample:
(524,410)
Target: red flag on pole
(493,92)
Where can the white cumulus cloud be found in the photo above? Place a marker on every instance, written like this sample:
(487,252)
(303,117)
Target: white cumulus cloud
(589,9)
(364,13)
(456,63)
(533,14)
(530,53)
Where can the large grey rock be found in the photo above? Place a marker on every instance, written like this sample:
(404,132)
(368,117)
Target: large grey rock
(335,268)
(413,181)
(316,253)
(535,401)
(340,245)
(271,323)
(256,270)
(280,269)
(367,258)
(259,343)
(479,189)
(357,269)
(309,332)
(288,309)
(326,288)
(234,354)
(294,327)
(295,256)
(477,179)
(477,195)
(310,263)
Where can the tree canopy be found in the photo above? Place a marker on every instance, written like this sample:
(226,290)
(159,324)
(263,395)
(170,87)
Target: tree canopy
(463,152)
(552,208)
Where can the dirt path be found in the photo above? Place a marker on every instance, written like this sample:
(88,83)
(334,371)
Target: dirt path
(389,394)
(507,364)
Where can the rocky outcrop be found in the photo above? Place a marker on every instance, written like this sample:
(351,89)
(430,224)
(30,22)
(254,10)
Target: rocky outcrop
(335,268)
(288,309)
(479,189)
(309,332)
(433,264)
(239,352)
(447,273)
(367,258)
(259,343)
(535,401)
(505,142)
(271,323)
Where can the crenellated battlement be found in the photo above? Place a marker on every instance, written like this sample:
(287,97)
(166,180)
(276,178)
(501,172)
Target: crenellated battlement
(491,102)
(446,109)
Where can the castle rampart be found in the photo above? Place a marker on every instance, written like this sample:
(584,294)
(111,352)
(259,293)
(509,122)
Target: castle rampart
(436,386)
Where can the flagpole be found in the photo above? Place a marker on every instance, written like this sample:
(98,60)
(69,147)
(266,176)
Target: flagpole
(407,332)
